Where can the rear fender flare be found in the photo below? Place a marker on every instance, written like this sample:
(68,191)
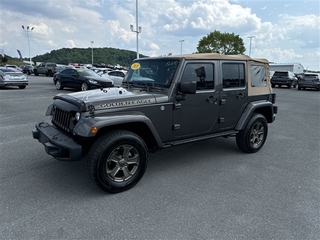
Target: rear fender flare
(263,107)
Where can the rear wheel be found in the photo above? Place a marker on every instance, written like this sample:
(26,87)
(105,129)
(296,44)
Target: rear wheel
(22,87)
(50,73)
(84,86)
(253,136)
(273,85)
(36,73)
(117,160)
(289,85)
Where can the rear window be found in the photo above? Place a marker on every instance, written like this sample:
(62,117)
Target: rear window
(283,74)
(9,70)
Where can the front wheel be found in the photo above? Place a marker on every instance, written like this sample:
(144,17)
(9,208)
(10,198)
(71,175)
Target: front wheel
(58,85)
(84,86)
(253,136)
(117,160)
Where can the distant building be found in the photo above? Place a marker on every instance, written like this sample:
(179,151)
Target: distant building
(296,68)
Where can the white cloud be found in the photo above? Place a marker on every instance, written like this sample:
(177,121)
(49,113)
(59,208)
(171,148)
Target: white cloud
(291,35)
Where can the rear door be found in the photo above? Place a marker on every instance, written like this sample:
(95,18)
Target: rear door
(234,93)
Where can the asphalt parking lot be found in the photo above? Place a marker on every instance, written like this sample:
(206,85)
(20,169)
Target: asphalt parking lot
(203,190)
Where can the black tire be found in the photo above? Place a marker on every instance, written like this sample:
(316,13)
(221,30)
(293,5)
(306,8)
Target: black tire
(36,73)
(299,88)
(58,85)
(50,73)
(22,87)
(289,85)
(84,87)
(253,136)
(117,161)
(273,85)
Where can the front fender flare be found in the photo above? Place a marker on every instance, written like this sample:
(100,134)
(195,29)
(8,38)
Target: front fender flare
(84,126)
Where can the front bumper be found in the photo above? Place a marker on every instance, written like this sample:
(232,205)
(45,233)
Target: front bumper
(12,83)
(57,143)
(309,85)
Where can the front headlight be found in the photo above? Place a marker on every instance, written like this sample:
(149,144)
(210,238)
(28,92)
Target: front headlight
(93,81)
(77,116)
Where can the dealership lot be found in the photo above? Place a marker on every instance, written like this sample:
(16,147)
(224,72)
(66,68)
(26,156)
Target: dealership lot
(203,190)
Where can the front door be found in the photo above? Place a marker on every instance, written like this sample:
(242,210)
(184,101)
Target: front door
(198,113)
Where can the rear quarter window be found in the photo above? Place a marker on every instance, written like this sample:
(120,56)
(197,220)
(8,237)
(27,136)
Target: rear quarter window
(258,76)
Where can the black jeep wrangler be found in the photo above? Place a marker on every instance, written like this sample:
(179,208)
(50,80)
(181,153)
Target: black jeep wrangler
(163,102)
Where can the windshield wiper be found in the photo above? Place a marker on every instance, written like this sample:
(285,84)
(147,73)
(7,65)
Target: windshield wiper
(132,84)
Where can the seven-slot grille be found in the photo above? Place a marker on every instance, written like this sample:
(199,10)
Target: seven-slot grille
(62,118)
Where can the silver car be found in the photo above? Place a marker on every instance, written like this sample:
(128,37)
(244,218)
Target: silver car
(12,77)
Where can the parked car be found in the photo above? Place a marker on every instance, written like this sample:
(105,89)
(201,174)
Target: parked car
(80,79)
(284,78)
(49,69)
(309,80)
(116,76)
(162,102)
(12,77)
(27,69)
(14,66)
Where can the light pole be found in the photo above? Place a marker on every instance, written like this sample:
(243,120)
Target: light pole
(28,30)
(250,44)
(138,29)
(92,53)
(181,41)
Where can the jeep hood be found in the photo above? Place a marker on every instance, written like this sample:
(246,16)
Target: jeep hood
(115,97)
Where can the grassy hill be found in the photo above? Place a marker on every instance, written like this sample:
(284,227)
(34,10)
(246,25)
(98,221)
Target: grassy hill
(111,56)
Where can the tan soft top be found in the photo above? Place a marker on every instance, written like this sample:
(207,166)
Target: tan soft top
(217,56)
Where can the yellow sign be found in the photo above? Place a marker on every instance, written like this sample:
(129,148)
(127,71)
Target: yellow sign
(135,66)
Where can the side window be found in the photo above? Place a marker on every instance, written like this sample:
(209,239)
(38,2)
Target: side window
(68,72)
(233,75)
(202,73)
(258,76)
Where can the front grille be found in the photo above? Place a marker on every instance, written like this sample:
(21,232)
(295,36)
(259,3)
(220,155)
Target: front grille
(106,84)
(62,119)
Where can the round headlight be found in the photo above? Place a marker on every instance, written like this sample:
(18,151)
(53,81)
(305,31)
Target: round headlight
(77,116)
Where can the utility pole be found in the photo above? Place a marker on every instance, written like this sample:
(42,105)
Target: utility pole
(28,30)
(138,29)
(250,44)
(181,41)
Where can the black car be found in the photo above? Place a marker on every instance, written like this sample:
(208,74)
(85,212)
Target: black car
(284,78)
(309,80)
(27,69)
(80,79)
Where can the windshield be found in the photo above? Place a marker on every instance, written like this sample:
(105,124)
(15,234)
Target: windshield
(83,72)
(152,72)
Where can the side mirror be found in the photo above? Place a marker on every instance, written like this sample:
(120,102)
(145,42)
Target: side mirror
(188,87)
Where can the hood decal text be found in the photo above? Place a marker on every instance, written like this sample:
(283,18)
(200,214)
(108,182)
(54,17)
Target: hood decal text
(128,103)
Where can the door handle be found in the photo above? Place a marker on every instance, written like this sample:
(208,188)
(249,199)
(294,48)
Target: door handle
(212,99)
(241,95)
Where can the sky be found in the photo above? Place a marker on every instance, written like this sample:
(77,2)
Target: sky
(279,30)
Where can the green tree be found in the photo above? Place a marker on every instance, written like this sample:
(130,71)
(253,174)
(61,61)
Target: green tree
(4,59)
(223,43)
